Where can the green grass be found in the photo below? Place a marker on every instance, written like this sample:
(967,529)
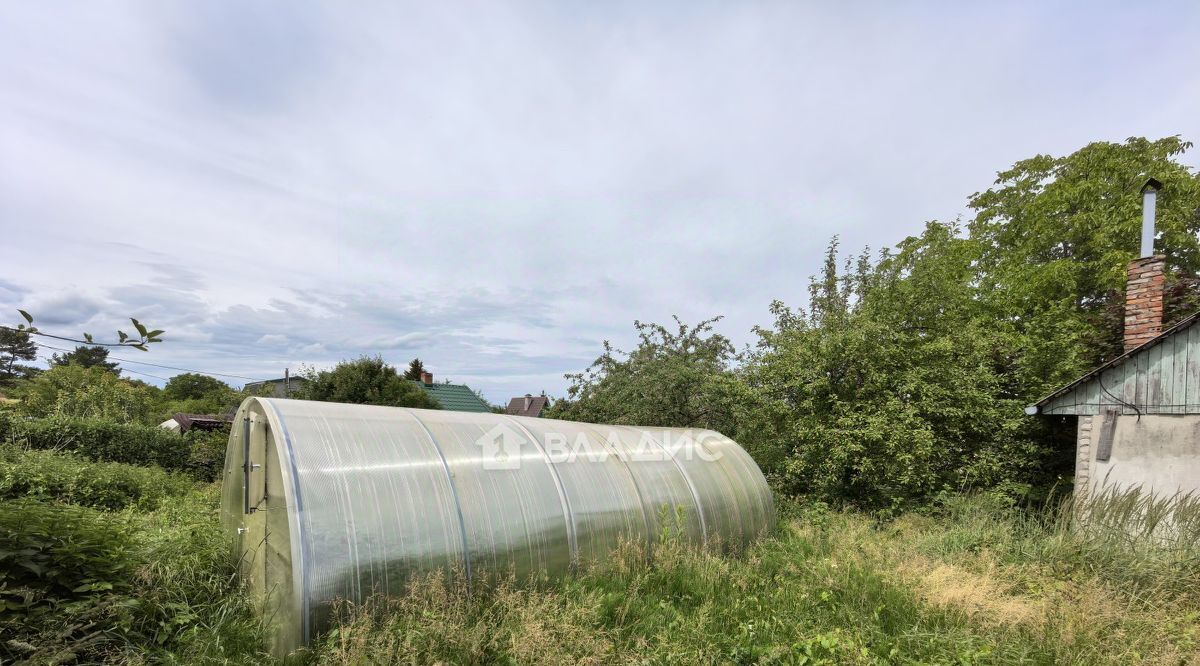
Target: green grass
(979,581)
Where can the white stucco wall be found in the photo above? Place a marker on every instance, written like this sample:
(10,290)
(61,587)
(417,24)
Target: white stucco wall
(1160,453)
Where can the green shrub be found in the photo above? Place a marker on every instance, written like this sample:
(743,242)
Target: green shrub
(68,478)
(65,572)
(207,456)
(119,442)
(75,391)
(86,586)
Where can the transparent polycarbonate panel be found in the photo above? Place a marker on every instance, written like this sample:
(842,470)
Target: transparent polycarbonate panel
(231,483)
(725,492)
(356,499)
(667,495)
(375,502)
(606,506)
(757,509)
(515,513)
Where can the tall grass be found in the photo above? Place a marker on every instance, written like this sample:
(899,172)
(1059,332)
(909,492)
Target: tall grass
(795,598)
(984,581)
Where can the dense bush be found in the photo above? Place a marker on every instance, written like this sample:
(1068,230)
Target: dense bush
(206,458)
(86,586)
(75,391)
(677,377)
(60,562)
(199,454)
(68,478)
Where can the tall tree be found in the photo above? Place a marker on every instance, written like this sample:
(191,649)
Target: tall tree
(15,346)
(191,386)
(415,369)
(87,357)
(894,386)
(1055,235)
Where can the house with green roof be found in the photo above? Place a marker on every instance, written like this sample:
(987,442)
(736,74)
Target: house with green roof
(454,397)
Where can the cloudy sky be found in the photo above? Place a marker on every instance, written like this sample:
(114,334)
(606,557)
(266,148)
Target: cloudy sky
(498,187)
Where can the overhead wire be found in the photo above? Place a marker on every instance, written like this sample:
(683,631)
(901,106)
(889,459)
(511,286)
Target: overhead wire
(157,365)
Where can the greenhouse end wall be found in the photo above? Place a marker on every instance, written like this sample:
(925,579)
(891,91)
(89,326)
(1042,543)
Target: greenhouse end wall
(330,500)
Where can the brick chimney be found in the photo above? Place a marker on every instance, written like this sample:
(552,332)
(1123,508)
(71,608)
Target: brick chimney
(1144,286)
(427,378)
(1144,300)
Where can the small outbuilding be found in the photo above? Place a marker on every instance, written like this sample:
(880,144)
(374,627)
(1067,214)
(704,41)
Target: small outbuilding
(282,387)
(181,422)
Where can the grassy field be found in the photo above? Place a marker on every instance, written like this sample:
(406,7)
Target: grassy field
(976,582)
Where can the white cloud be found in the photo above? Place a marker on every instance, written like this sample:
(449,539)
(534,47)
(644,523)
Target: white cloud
(516,183)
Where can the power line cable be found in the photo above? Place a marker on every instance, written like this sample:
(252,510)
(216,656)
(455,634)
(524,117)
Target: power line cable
(136,372)
(165,367)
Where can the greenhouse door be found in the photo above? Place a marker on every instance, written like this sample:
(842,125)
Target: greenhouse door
(266,546)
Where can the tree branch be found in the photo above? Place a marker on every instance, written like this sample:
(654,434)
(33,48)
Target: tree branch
(144,337)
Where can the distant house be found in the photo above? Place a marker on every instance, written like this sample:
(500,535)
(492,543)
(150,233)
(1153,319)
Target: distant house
(280,388)
(454,397)
(1139,414)
(529,405)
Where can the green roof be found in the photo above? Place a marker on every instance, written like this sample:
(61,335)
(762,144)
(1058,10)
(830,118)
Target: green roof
(455,397)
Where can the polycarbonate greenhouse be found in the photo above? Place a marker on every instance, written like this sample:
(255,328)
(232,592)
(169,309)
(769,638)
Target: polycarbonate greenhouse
(331,500)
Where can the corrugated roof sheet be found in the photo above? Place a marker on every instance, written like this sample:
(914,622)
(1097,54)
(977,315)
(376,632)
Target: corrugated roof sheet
(1139,372)
(455,397)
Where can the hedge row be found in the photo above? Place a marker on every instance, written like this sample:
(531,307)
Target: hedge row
(199,454)
(65,477)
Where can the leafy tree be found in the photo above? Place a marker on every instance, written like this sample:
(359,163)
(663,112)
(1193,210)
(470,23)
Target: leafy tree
(367,380)
(191,385)
(894,386)
(677,377)
(1054,237)
(905,376)
(415,369)
(88,357)
(195,393)
(16,346)
(77,391)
